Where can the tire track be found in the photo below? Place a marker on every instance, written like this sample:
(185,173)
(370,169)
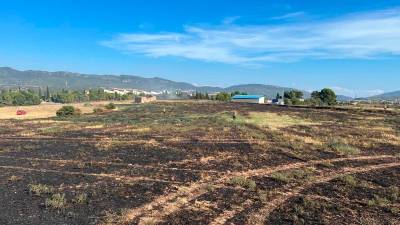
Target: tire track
(228,214)
(125,179)
(68,161)
(259,217)
(165,205)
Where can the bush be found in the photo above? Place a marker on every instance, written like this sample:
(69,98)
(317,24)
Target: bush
(68,111)
(110,106)
(98,110)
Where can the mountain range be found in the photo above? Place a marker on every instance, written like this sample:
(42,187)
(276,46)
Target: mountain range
(10,77)
(57,80)
(395,95)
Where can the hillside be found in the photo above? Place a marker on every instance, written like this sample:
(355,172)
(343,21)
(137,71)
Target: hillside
(58,80)
(386,96)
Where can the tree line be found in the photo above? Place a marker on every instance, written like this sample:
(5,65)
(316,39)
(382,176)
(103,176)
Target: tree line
(292,97)
(325,97)
(18,97)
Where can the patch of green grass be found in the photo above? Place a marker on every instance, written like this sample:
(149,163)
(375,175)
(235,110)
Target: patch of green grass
(271,120)
(342,148)
(243,182)
(289,176)
(57,201)
(40,189)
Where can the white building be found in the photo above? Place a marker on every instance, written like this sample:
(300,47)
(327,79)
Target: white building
(258,99)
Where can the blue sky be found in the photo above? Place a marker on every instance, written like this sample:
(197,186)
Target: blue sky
(352,46)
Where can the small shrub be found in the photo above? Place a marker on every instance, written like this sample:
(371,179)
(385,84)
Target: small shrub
(243,182)
(110,106)
(209,187)
(395,210)
(68,111)
(98,110)
(279,176)
(87,104)
(40,189)
(57,201)
(349,180)
(81,199)
(394,193)
(378,201)
(342,148)
(14,178)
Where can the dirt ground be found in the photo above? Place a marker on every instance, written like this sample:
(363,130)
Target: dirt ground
(192,163)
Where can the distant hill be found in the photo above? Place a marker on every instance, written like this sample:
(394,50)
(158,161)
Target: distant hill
(343,98)
(59,80)
(386,96)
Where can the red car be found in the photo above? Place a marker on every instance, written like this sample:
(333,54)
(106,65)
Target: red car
(21,112)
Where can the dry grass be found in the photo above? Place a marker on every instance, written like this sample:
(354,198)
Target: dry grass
(273,121)
(46,110)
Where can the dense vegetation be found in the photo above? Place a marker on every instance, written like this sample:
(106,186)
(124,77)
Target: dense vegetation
(35,97)
(293,97)
(9,97)
(91,95)
(324,97)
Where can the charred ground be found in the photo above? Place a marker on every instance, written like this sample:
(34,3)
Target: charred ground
(194,164)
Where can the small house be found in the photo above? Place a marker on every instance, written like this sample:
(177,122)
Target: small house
(258,99)
(145,99)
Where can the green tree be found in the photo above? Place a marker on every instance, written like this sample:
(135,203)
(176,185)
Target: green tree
(293,97)
(47,97)
(324,97)
(223,96)
(328,96)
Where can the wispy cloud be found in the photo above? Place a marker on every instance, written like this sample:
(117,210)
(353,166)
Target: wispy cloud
(230,20)
(358,36)
(357,93)
(288,16)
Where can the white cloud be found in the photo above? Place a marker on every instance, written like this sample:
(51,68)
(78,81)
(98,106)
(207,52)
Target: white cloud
(357,93)
(357,36)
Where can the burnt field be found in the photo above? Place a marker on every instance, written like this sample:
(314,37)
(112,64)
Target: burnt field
(192,163)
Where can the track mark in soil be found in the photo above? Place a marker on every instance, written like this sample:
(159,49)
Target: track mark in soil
(165,205)
(160,167)
(125,179)
(259,217)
